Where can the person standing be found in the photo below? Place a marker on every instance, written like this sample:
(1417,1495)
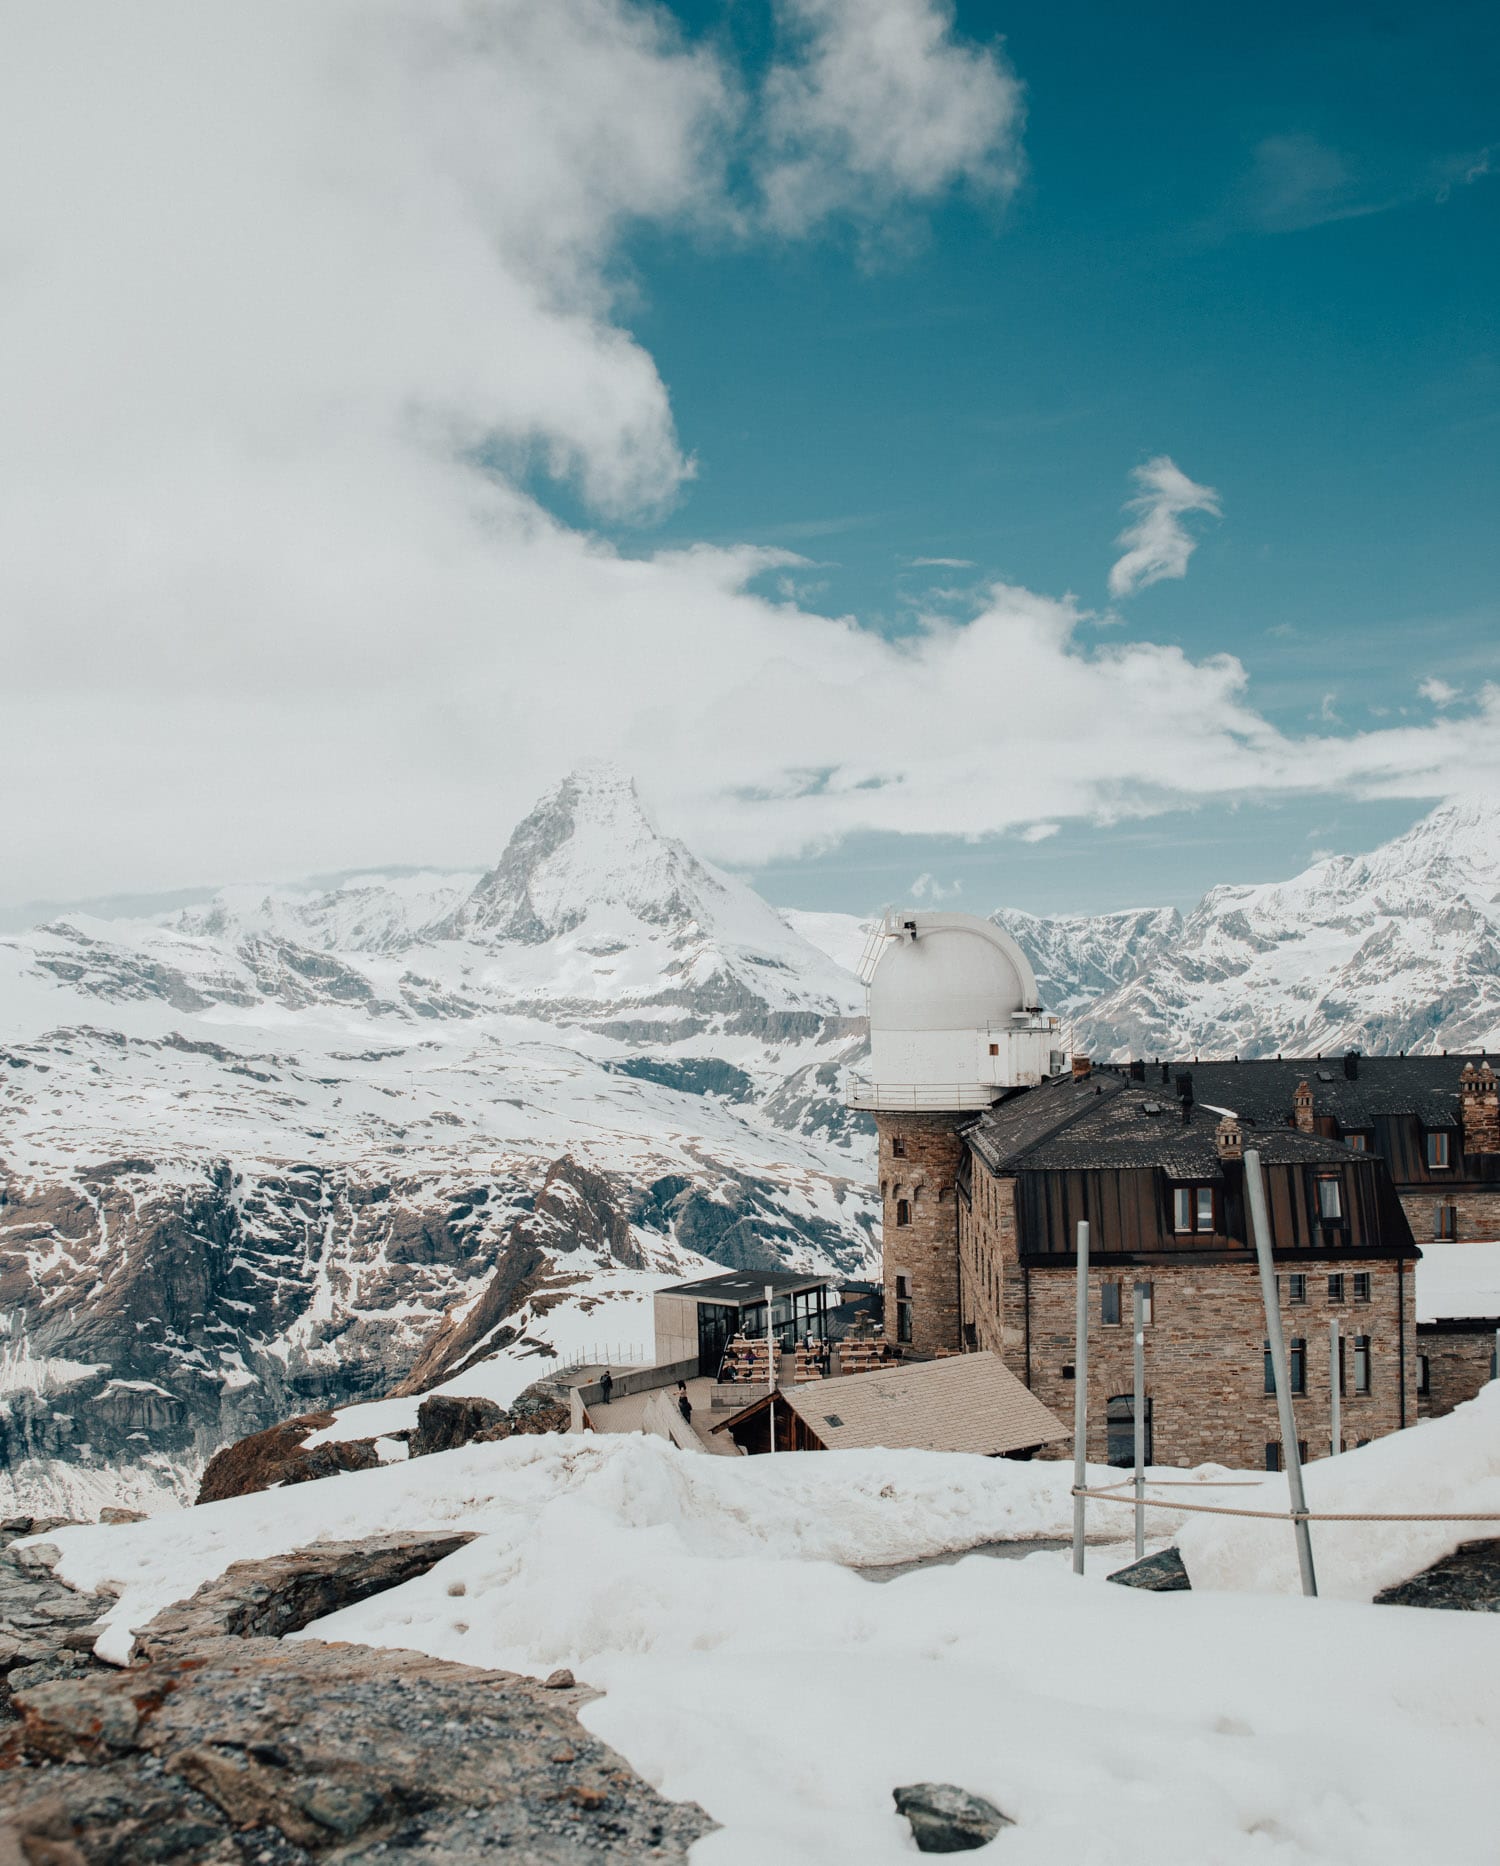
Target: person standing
(606,1386)
(684,1404)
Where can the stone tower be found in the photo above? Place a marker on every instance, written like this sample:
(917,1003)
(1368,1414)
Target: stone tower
(954,1025)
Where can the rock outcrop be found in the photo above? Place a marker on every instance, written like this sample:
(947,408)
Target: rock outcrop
(225,1745)
(1467,1581)
(281,1455)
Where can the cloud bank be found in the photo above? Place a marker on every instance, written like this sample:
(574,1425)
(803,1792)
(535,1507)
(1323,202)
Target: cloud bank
(299,306)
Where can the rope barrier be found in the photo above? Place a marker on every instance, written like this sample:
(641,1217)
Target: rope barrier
(1296,1516)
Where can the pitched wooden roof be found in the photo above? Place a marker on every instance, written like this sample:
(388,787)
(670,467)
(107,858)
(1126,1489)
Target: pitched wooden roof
(967,1402)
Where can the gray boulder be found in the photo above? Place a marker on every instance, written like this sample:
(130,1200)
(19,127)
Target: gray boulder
(946,1819)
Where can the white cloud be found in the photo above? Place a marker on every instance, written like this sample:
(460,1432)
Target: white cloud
(942,563)
(1439,692)
(929,888)
(1039,832)
(880,104)
(293,302)
(1159,544)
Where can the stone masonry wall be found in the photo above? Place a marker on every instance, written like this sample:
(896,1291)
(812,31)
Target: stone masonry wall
(1204,1345)
(1478,1212)
(920,1155)
(1205,1357)
(1458,1365)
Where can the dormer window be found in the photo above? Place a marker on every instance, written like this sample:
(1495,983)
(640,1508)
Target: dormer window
(1359,1142)
(1193,1209)
(1438,1153)
(1330,1198)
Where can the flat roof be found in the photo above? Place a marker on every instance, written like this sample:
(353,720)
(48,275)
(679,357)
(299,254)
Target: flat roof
(740,1288)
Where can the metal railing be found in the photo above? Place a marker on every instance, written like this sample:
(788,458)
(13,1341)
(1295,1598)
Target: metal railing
(863,1092)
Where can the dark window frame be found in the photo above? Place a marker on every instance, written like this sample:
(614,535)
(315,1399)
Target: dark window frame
(1439,1141)
(1363,1369)
(1194,1191)
(1329,1183)
(1362,1286)
(903,1213)
(1296,1288)
(1336,1286)
(1109,1298)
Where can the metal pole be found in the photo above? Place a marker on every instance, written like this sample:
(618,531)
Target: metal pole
(1140,1420)
(1261,1225)
(1081,1396)
(771,1369)
(1335,1418)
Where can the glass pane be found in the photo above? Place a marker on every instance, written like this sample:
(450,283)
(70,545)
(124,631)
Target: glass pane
(1205,1208)
(1182,1209)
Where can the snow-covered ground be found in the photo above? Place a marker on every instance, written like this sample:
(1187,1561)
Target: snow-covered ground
(1458,1280)
(745,1666)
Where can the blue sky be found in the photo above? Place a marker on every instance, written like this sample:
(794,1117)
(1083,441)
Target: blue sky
(404,403)
(1259,245)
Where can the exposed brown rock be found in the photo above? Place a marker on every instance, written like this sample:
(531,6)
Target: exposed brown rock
(226,1750)
(446,1421)
(279,1455)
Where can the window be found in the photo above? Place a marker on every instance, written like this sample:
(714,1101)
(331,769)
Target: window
(1336,1287)
(1296,1287)
(903,1211)
(1361,1363)
(1330,1197)
(1273,1455)
(1437,1149)
(1343,1386)
(1424,1377)
(1192,1208)
(1359,1142)
(898,1146)
(1296,1365)
(994,1049)
(971,1335)
(1120,1418)
(903,1321)
(903,1287)
(1109,1304)
(1148,1297)
(1361,1285)
(1070,1372)
(1445,1221)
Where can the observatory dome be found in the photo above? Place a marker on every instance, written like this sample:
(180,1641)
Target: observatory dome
(949,972)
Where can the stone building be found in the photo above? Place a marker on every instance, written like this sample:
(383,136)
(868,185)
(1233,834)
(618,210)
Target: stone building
(1161,1182)
(993,1143)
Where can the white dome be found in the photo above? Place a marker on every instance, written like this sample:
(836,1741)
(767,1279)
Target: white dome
(959,973)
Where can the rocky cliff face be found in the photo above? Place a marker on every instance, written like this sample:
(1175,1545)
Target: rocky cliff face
(296,1149)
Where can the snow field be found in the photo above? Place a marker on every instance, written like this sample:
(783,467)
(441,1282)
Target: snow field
(743,1666)
(1442,1466)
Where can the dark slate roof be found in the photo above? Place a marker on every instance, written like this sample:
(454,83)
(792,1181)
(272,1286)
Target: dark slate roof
(742,1287)
(1261,1088)
(1104,1121)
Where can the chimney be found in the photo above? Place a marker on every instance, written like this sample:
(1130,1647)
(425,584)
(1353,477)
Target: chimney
(1302,1109)
(1138,1072)
(1083,1068)
(1479,1108)
(1229,1138)
(1351,1065)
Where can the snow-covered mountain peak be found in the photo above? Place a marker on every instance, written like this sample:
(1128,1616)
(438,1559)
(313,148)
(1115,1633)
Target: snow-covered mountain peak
(588,844)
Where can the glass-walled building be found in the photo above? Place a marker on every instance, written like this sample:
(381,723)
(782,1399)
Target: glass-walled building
(697,1321)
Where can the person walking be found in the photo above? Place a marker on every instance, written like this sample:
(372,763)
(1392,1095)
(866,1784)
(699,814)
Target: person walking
(606,1386)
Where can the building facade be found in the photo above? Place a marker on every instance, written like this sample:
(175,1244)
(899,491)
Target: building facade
(1161,1185)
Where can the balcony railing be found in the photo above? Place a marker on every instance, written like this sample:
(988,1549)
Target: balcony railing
(863,1092)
